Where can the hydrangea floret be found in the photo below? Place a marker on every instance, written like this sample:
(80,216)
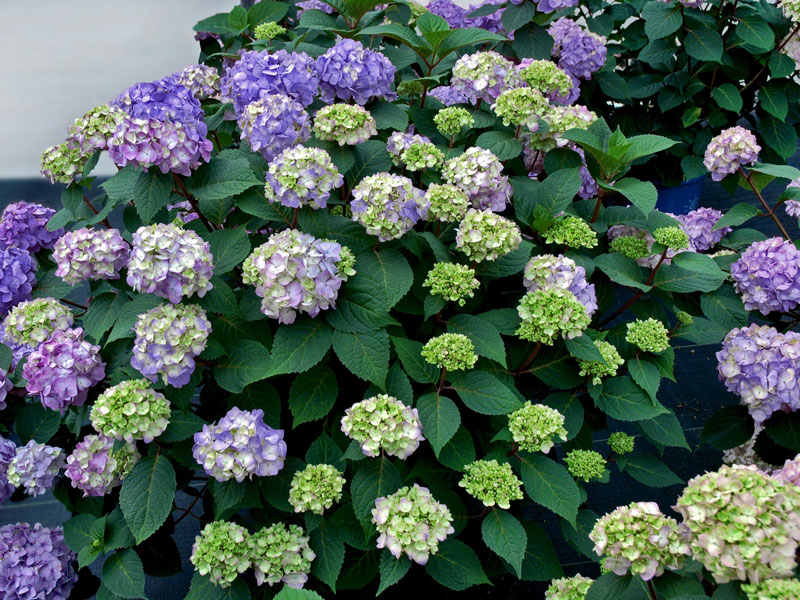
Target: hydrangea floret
(699,226)
(24,226)
(383,423)
(448,204)
(484,76)
(673,238)
(730,150)
(448,94)
(18,276)
(400,141)
(5,387)
(649,335)
(450,351)
(301,176)
(492,483)
(484,235)
(598,370)
(534,426)
(521,106)
(8,451)
(551,312)
(316,488)
(268,31)
(89,253)
(62,163)
(790,471)
(411,522)
(34,467)
(202,80)
(34,321)
(345,124)
(569,588)
(572,232)
(585,464)
(631,247)
(273,123)
(93,130)
(349,71)
(767,275)
(547,271)
(99,464)
(388,205)
(452,119)
(280,553)
(222,552)
(580,53)
(621,443)
(420,156)
(131,410)
(452,281)
(546,77)
(479,174)
(773,589)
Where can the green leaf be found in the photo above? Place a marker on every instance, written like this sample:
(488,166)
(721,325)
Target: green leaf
(375,478)
(471,36)
(773,101)
(727,96)
(736,215)
(724,306)
(483,335)
(505,536)
(459,451)
(502,144)
(440,419)
(324,450)
(540,562)
(690,272)
(779,135)
(266,11)
(300,346)
(288,593)
(392,570)
(202,588)
(780,65)
(275,489)
(569,405)
(517,15)
(623,400)
(558,190)
(35,422)
(129,314)
(456,566)
(102,313)
(664,430)
(246,362)
(484,393)
(648,470)
(78,531)
(642,194)
(389,272)
(410,354)
(117,534)
(226,495)
(784,429)
(151,193)
(222,178)
(703,44)
(622,270)
(329,548)
(608,587)
(755,31)
(646,375)
(583,348)
(371,157)
(390,116)
(229,247)
(402,34)
(510,264)
(645,145)
(549,484)
(532,41)
(120,188)
(783,171)
(661,19)
(366,355)
(123,574)
(146,496)
(313,394)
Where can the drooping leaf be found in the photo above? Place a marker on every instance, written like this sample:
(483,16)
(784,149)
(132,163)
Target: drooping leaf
(506,537)
(146,496)
(440,419)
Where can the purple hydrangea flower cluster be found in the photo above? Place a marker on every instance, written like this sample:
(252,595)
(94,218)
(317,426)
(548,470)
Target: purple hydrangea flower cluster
(767,275)
(400,141)
(455,15)
(17,276)
(24,226)
(18,351)
(95,467)
(259,74)
(35,467)
(274,123)
(547,271)
(201,80)
(728,151)
(388,205)
(7,452)
(792,208)
(698,226)
(5,387)
(448,95)
(315,5)
(580,53)
(35,563)
(484,75)
(548,6)
(302,176)
(349,71)
(170,262)
(162,100)
(588,187)
(760,365)
(491,22)
(479,174)
(90,254)
(790,471)
(62,369)
(168,338)
(239,446)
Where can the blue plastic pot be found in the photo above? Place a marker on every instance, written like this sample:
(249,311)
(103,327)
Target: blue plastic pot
(680,199)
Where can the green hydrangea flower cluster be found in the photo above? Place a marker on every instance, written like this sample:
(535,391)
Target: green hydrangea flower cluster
(547,77)
(547,313)
(420,156)
(684,318)
(268,31)
(492,483)
(569,588)
(571,231)
(585,464)
(534,426)
(484,235)
(451,351)
(281,553)
(520,106)
(316,488)
(346,267)
(621,443)
(744,524)
(30,323)
(639,539)
(61,163)
(447,203)
(345,124)
(673,238)
(648,335)
(631,247)
(131,411)
(598,370)
(412,86)
(222,552)
(451,281)
(383,423)
(773,589)
(449,121)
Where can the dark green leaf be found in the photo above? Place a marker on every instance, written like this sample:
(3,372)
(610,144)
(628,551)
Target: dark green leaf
(392,569)
(773,101)
(371,157)
(222,178)
(661,19)
(120,188)
(646,375)
(151,193)
(390,116)
(78,531)
(375,478)
(558,190)
(366,355)
(129,314)
(642,194)
(583,347)
(608,587)
(300,346)
(502,144)
(727,96)
(664,430)
(484,393)
(229,247)
(35,422)
(324,450)
(456,566)
(483,335)
(540,562)
(459,451)
(779,135)
(621,270)
(506,537)
(146,496)
(388,271)
(410,354)
(313,394)
(123,574)
(247,362)
(648,470)
(532,41)
(623,400)
(724,307)
(549,484)
(329,548)
(202,588)
(784,428)
(440,419)
(703,44)
(755,31)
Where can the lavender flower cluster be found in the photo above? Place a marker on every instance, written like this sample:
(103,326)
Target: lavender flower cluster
(580,53)
(98,464)
(479,174)
(767,275)
(388,205)
(547,271)
(90,254)
(349,71)
(273,123)
(301,176)
(35,467)
(7,452)
(17,276)
(730,150)
(24,226)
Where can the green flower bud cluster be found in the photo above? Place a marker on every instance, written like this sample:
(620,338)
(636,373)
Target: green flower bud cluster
(346,267)
(640,540)
(571,231)
(449,121)
(673,238)
(547,313)
(596,369)
(484,235)
(569,588)
(451,281)
(533,427)
(451,351)
(33,321)
(383,424)
(349,124)
(547,77)
(520,106)
(419,156)
(649,335)
(492,483)
(631,247)
(222,552)
(268,31)
(684,318)
(621,443)
(447,202)
(130,411)
(281,553)
(316,488)
(585,464)
(412,86)
(773,589)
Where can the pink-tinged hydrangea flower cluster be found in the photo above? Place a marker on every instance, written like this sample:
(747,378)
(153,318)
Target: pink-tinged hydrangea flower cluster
(201,80)
(479,174)
(484,75)
(388,205)
(131,411)
(33,321)
(383,423)
(349,71)
(61,163)
(790,471)
(62,369)
(24,226)
(258,74)
(93,130)
(170,262)
(240,446)
(34,467)
(295,272)
(96,466)
(447,94)
(731,149)
(484,235)
(17,276)
(580,53)
(744,524)
(547,271)
(411,522)
(168,338)
(273,123)
(400,141)
(5,387)
(35,563)
(280,553)
(767,275)
(90,254)
(698,225)
(302,176)
(762,366)
(640,540)
(7,452)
